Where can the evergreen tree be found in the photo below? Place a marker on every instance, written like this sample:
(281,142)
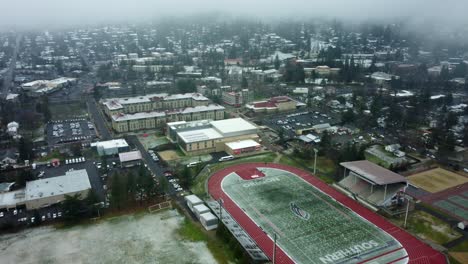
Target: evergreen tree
(277,62)
(25,148)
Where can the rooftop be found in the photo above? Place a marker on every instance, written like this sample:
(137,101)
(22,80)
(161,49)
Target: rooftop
(71,182)
(243,144)
(153,114)
(232,125)
(199,135)
(373,172)
(130,156)
(114,143)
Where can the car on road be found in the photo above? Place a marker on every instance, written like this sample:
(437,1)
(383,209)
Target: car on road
(1,214)
(43,218)
(193,164)
(15,212)
(225,158)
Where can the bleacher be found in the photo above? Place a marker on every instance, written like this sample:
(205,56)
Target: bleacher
(372,193)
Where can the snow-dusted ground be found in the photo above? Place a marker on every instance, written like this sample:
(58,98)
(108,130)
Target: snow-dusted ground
(151,238)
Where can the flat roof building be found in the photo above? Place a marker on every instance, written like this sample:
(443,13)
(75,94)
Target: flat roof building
(111,147)
(49,191)
(129,159)
(207,136)
(274,104)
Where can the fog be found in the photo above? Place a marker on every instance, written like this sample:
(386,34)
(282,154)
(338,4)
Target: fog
(45,13)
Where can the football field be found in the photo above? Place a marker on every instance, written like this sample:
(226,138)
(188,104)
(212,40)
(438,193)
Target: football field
(311,227)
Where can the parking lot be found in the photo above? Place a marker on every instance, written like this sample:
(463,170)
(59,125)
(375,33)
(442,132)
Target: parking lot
(300,120)
(67,131)
(22,217)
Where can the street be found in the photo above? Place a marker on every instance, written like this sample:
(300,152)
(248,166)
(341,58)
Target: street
(9,77)
(98,119)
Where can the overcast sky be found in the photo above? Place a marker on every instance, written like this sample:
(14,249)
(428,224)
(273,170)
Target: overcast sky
(21,13)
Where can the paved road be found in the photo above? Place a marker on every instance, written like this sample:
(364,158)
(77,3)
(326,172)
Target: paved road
(155,167)
(98,119)
(9,76)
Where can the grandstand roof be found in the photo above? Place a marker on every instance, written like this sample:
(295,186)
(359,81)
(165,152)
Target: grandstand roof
(373,172)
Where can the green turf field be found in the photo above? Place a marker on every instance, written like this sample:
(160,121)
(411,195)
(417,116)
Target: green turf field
(311,226)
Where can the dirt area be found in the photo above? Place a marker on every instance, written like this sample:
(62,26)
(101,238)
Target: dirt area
(151,140)
(461,257)
(437,180)
(169,155)
(429,227)
(146,238)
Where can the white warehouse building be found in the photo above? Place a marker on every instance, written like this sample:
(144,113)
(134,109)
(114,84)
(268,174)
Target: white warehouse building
(49,191)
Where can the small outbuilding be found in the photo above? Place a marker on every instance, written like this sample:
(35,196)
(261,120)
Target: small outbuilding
(463,225)
(209,221)
(200,209)
(192,200)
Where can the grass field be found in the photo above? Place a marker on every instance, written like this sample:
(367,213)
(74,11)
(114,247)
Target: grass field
(429,227)
(437,180)
(311,226)
(152,140)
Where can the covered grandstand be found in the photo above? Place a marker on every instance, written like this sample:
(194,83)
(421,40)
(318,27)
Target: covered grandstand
(313,222)
(371,184)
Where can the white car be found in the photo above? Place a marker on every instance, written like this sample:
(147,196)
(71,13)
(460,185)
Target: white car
(15,212)
(59,214)
(54,215)
(43,218)
(1,214)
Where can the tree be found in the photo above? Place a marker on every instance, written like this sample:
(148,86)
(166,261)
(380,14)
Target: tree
(348,116)
(281,138)
(25,148)
(119,194)
(245,83)
(186,86)
(72,207)
(131,74)
(43,108)
(75,149)
(460,70)
(92,202)
(325,142)
(22,177)
(185,176)
(277,62)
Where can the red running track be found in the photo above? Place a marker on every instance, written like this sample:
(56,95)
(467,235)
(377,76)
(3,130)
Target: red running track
(418,252)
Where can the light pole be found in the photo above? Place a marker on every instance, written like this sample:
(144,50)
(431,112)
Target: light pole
(220,202)
(274,248)
(407,209)
(315,159)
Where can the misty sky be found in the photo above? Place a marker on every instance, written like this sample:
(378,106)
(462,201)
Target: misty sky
(21,13)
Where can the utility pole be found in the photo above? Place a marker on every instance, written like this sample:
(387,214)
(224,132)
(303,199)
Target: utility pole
(220,202)
(315,159)
(274,248)
(407,210)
